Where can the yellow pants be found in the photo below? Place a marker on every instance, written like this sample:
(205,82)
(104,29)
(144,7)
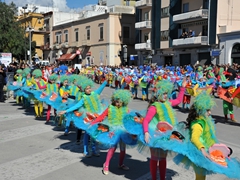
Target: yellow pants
(200,177)
(38,107)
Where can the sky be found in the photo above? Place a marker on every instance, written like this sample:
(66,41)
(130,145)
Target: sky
(63,5)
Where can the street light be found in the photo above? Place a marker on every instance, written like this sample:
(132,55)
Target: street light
(24,8)
(29,30)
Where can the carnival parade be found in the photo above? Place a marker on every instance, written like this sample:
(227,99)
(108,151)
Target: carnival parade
(154,132)
(119,90)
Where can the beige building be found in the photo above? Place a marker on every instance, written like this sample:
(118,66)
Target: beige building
(95,40)
(188,30)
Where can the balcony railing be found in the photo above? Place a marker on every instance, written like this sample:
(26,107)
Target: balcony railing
(86,43)
(143,4)
(143,25)
(200,40)
(191,16)
(143,46)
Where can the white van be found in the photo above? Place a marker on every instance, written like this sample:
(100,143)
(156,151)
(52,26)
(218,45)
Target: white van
(44,63)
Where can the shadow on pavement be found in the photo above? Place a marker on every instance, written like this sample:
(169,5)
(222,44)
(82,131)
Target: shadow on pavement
(221,119)
(137,168)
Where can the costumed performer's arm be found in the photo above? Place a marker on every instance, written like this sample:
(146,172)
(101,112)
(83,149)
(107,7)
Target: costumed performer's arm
(100,118)
(149,116)
(100,89)
(175,102)
(29,83)
(195,88)
(23,81)
(41,87)
(76,106)
(236,92)
(197,131)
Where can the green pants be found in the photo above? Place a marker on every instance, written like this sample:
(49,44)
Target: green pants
(227,108)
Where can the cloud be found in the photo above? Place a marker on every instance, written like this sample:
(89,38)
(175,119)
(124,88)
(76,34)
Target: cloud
(61,4)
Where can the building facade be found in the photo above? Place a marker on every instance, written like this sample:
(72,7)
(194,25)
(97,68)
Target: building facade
(33,24)
(95,40)
(187,30)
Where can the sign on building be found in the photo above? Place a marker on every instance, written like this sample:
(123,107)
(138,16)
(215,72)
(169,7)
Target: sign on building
(5,58)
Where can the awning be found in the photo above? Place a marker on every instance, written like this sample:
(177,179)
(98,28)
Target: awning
(67,57)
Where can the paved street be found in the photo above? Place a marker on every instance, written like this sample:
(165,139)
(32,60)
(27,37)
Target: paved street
(29,149)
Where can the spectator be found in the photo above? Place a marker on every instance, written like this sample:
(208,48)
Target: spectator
(2,82)
(76,71)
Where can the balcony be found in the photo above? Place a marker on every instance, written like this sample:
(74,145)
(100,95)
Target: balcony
(191,16)
(143,46)
(143,4)
(64,45)
(56,46)
(143,25)
(86,42)
(193,41)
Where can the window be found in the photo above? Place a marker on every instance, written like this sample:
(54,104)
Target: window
(76,35)
(126,32)
(205,30)
(66,35)
(58,36)
(127,2)
(145,37)
(146,16)
(165,12)
(101,32)
(185,7)
(164,35)
(88,32)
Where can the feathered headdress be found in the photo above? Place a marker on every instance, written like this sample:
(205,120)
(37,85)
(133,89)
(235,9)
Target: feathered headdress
(85,82)
(73,77)
(26,71)
(53,77)
(164,86)
(19,71)
(203,102)
(121,95)
(64,78)
(37,73)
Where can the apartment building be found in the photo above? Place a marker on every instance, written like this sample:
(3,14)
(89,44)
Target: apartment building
(96,39)
(181,32)
(228,32)
(33,23)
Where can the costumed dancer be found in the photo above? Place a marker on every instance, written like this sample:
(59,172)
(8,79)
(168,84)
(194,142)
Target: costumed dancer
(64,92)
(26,82)
(108,128)
(211,78)
(203,152)
(201,83)
(52,87)
(144,81)
(227,106)
(74,94)
(187,96)
(199,73)
(160,111)
(18,78)
(134,85)
(37,82)
(89,103)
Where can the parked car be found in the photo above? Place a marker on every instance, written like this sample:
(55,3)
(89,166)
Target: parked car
(44,63)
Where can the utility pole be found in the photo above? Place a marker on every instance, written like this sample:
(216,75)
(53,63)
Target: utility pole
(24,8)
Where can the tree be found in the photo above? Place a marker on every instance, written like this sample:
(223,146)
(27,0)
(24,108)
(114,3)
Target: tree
(12,34)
